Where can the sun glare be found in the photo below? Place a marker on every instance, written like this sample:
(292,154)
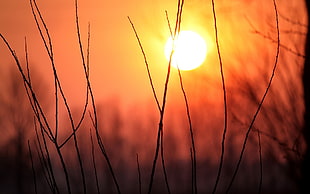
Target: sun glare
(190,50)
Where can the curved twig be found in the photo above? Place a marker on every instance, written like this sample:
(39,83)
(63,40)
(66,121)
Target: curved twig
(146,64)
(224,98)
(262,100)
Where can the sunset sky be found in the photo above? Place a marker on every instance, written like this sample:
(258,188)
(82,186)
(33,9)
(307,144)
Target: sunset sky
(248,45)
(117,66)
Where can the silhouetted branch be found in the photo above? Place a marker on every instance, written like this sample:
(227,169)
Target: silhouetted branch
(139,175)
(274,40)
(193,155)
(168,21)
(224,99)
(281,45)
(260,162)
(49,48)
(58,86)
(293,22)
(87,93)
(193,170)
(32,94)
(262,100)
(294,32)
(27,61)
(46,174)
(40,115)
(146,63)
(73,128)
(163,160)
(94,161)
(279,142)
(159,142)
(101,145)
(33,170)
(46,164)
(162,110)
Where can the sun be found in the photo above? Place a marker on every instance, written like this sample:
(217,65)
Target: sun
(190,50)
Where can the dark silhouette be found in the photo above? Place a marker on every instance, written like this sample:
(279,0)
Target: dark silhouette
(16,127)
(66,157)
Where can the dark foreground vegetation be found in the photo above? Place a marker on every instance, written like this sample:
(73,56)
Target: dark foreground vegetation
(251,140)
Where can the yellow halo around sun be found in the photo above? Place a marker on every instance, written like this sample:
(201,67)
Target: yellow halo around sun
(190,50)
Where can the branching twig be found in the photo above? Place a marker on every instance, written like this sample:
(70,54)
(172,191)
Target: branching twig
(193,149)
(162,110)
(274,40)
(262,100)
(47,165)
(293,22)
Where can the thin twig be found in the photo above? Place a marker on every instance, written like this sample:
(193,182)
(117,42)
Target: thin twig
(224,98)
(293,22)
(262,100)
(193,155)
(49,48)
(146,63)
(193,171)
(191,131)
(163,160)
(28,84)
(139,175)
(49,161)
(33,170)
(168,21)
(162,110)
(94,161)
(57,84)
(73,128)
(64,168)
(45,171)
(260,163)
(47,165)
(77,127)
(279,142)
(294,32)
(281,45)
(294,52)
(94,120)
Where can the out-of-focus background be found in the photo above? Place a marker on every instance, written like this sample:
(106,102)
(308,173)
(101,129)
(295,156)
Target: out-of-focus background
(127,112)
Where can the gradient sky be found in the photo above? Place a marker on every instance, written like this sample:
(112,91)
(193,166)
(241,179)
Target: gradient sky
(247,34)
(117,66)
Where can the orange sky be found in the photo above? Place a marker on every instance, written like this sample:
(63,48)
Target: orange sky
(119,77)
(117,68)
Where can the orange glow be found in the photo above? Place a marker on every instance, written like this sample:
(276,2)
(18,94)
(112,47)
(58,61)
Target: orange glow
(127,110)
(189,50)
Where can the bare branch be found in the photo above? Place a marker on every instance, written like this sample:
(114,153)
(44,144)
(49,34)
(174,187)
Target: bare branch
(224,99)
(262,100)
(146,63)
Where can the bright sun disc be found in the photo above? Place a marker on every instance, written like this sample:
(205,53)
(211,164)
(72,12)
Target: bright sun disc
(190,50)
